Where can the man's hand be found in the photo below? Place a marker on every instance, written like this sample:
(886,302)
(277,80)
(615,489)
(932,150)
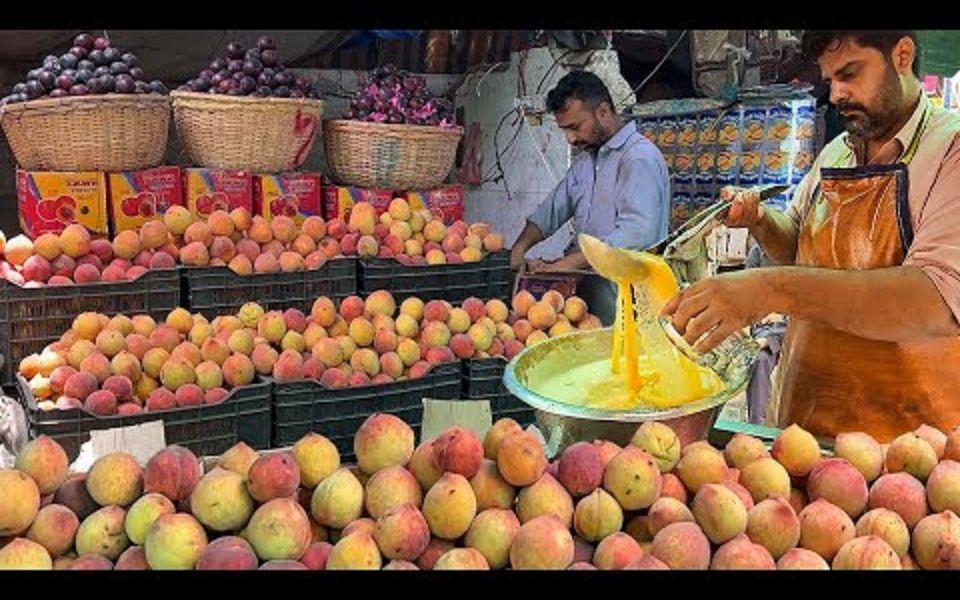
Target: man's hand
(718,307)
(517,257)
(745,209)
(540,266)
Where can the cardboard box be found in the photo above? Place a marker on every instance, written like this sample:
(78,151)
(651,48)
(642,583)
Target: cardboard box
(207,190)
(136,197)
(338,199)
(296,195)
(48,201)
(445,202)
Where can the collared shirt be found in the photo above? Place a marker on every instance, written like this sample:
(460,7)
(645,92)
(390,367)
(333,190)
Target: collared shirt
(933,195)
(620,194)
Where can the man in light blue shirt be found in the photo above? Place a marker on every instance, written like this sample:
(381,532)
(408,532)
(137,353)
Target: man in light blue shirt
(617,188)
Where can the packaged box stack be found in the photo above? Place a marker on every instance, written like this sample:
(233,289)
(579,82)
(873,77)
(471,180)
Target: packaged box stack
(140,196)
(49,201)
(768,137)
(296,195)
(208,190)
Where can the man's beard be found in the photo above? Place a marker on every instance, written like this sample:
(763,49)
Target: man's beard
(873,123)
(599,135)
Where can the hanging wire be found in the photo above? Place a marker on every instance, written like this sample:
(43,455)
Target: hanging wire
(663,60)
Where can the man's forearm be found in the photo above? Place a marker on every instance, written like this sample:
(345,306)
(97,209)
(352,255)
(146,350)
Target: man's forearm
(777,235)
(575,261)
(529,237)
(896,304)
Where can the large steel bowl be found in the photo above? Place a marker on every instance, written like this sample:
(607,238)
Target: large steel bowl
(563,424)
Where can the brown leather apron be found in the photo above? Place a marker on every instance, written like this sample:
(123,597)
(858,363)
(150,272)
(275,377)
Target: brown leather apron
(833,381)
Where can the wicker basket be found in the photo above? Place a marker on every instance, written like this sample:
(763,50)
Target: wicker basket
(395,157)
(262,135)
(112,132)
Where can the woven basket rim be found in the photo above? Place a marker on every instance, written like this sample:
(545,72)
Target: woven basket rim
(194,98)
(348,124)
(46,104)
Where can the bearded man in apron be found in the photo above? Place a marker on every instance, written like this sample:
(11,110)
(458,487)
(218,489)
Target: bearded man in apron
(870,255)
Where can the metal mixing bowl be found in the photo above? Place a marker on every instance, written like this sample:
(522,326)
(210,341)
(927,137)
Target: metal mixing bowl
(563,424)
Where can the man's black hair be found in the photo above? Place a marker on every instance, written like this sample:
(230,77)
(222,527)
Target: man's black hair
(816,42)
(578,85)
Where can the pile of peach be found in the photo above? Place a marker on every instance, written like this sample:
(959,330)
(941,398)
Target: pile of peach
(461,502)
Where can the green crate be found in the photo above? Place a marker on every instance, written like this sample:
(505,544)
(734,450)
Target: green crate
(214,291)
(301,407)
(483,380)
(244,416)
(32,318)
(486,279)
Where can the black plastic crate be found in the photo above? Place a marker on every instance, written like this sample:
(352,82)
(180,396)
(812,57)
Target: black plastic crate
(214,291)
(483,380)
(206,430)
(300,407)
(486,279)
(31,318)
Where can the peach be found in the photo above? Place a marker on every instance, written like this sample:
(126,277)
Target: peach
(115,478)
(402,533)
(934,538)
(491,534)
(912,454)
(266,263)
(838,482)
(74,241)
(824,528)
(364,524)
(672,487)
(317,458)
(542,315)
(172,472)
(177,219)
(279,530)
(581,468)
(449,506)
(241,217)
(221,500)
(102,403)
(951,449)
(660,442)
(195,254)
(719,513)
(546,496)
(682,546)
(24,554)
(273,475)
(496,434)
(943,487)
(174,542)
(665,511)
(901,493)
(362,218)
(383,440)
(520,459)
(933,436)
(337,500)
(389,488)
(888,526)
(161,399)
(238,370)
(458,450)
(177,372)
(797,450)
(220,223)
(773,524)
(597,516)
(215,395)
(357,551)
(153,361)
(742,449)
(522,301)
(461,559)
(632,476)
(103,533)
(54,528)
(869,552)
(489,487)
(228,553)
(238,458)
(765,478)
(147,509)
(801,559)
(542,543)
(741,554)
(424,467)
(133,558)
(45,461)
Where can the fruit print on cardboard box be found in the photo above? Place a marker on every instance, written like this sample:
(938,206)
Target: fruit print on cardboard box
(49,201)
(140,196)
(294,195)
(207,190)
